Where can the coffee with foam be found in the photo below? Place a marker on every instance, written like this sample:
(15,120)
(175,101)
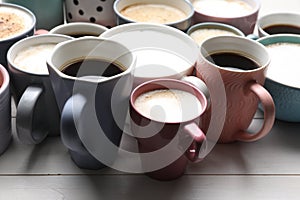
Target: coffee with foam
(33,59)
(223,8)
(284,66)
(201,35)
(13,22)
(168,105)
(155,13)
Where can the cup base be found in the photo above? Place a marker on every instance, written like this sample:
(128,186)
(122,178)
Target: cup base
(85,161)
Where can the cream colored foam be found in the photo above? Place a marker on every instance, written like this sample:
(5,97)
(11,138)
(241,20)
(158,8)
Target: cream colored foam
(33,59)
(155,13)
(169,105)
(13,22)
(284,66)
(223,8)
(201,35)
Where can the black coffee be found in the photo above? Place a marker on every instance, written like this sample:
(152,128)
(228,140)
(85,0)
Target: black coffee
(233,61)
(92,67)
(282,28)
(78,35)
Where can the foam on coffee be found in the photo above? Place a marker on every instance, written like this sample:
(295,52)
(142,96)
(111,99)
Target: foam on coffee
(168,105)
(223,8)
(13,22)
(201,35)
(33,59)
(155,13)
(284,66)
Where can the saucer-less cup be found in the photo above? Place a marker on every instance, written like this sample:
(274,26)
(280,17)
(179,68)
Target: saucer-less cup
(79,29)
(234,70)
(202,31)
(48,13)
(146,12)
(165,122)
(5,107)
(18,23)
(92,99)
(37,112)
(278,23)
(282,80)
(94,11)
(228,12)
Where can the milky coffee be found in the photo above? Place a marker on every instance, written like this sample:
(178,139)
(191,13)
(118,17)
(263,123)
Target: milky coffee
(201,35)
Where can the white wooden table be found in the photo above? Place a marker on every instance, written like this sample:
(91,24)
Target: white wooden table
(266,169)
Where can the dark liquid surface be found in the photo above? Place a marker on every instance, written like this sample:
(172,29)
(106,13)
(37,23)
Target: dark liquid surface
(282,28)
(78,35)
(92,67)
(232,60)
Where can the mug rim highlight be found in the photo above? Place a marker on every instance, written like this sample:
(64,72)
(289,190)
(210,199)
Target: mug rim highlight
(6,79)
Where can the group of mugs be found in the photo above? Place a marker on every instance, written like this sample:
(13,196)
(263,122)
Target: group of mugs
(175,95)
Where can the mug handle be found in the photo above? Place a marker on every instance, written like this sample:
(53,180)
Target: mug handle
(68,128)
(27,128)
(192,153)
(269,114)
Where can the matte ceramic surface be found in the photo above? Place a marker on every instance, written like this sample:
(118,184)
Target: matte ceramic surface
(144,130)
(277,18)
(286,95)
(5,44)
(183,5)
(48,13)
(91,106)
(159,40)
(235,94)
(244,23)
(5,107)
(37,112)
(95,11)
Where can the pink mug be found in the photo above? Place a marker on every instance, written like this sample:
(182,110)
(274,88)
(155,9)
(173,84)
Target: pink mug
(234,70)
(165,119)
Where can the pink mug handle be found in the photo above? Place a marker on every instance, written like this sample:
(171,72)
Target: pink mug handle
(199,137)
(269,114)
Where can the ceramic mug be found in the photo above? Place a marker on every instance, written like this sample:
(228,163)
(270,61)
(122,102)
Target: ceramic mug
(37,112)
(278,23)
(283,74)
(176,13)
(241,14)
(92,80)
(165,119)
(79,29)
(234,70)
(5,107)
(20,22)
(94,11)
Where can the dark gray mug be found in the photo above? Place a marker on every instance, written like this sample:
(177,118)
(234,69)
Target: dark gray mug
(5,110)
(20,23)
(37,112)
(92,97)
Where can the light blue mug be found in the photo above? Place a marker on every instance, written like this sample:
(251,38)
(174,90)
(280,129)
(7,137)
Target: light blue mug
(283,82)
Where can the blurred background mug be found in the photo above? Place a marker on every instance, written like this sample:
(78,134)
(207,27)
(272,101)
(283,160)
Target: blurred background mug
(48,13)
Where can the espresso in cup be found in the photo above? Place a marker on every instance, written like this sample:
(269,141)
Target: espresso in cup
(168,105)
(157,13)
(223,8)
(282,28)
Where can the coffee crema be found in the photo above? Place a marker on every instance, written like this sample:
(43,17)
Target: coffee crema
(13,22)
(155,13)
(203,34)
(92,67)
(168,105)
(223,8)
(284,66)
(33,59)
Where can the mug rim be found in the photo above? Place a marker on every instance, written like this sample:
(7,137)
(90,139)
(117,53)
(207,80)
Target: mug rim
(255,10)
(6,79)
(51,65)
(187,2)
(227,38)
(286,36)
(27,12)
(161,82)
(26,42)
